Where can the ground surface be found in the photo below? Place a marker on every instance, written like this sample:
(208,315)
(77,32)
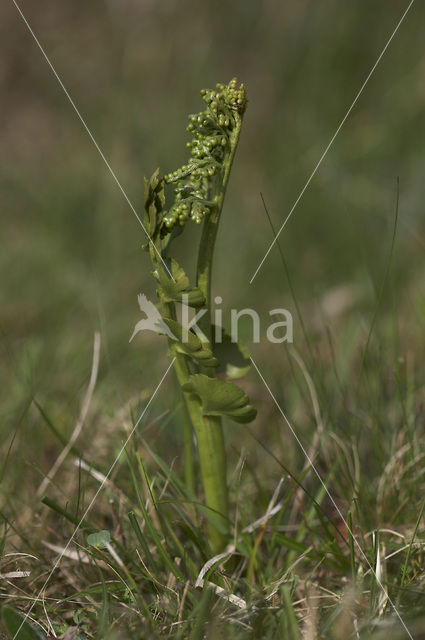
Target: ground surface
(349,269)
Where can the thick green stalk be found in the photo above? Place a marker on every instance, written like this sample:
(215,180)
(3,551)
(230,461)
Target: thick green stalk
(189,467)
(212,457)
(209,437)
(200,188)
(209,430)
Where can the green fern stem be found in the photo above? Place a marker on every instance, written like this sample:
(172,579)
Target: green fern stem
(209,431)
(212,453)
(212,458)
(210,228)
(199,191)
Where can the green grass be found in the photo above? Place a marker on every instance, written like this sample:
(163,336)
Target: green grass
(352,387)
(295,571)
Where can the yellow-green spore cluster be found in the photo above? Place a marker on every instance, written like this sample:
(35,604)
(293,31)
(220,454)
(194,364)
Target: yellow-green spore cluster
(211,144)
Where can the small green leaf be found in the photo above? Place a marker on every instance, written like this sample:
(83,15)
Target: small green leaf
(221,398)
(17,626)
(192,346)
(233,357)
(173,291)
(99,540)
(154,202)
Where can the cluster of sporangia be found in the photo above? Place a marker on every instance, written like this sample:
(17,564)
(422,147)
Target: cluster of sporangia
(212,139)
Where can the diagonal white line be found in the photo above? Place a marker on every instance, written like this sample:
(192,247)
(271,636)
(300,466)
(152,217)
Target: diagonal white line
(83,517)
(83,122)
(333,139)
(362,553)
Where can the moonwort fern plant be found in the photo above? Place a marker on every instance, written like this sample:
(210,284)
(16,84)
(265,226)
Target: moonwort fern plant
(199,189)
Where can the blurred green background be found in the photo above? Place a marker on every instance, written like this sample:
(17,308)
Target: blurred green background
(71,259)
